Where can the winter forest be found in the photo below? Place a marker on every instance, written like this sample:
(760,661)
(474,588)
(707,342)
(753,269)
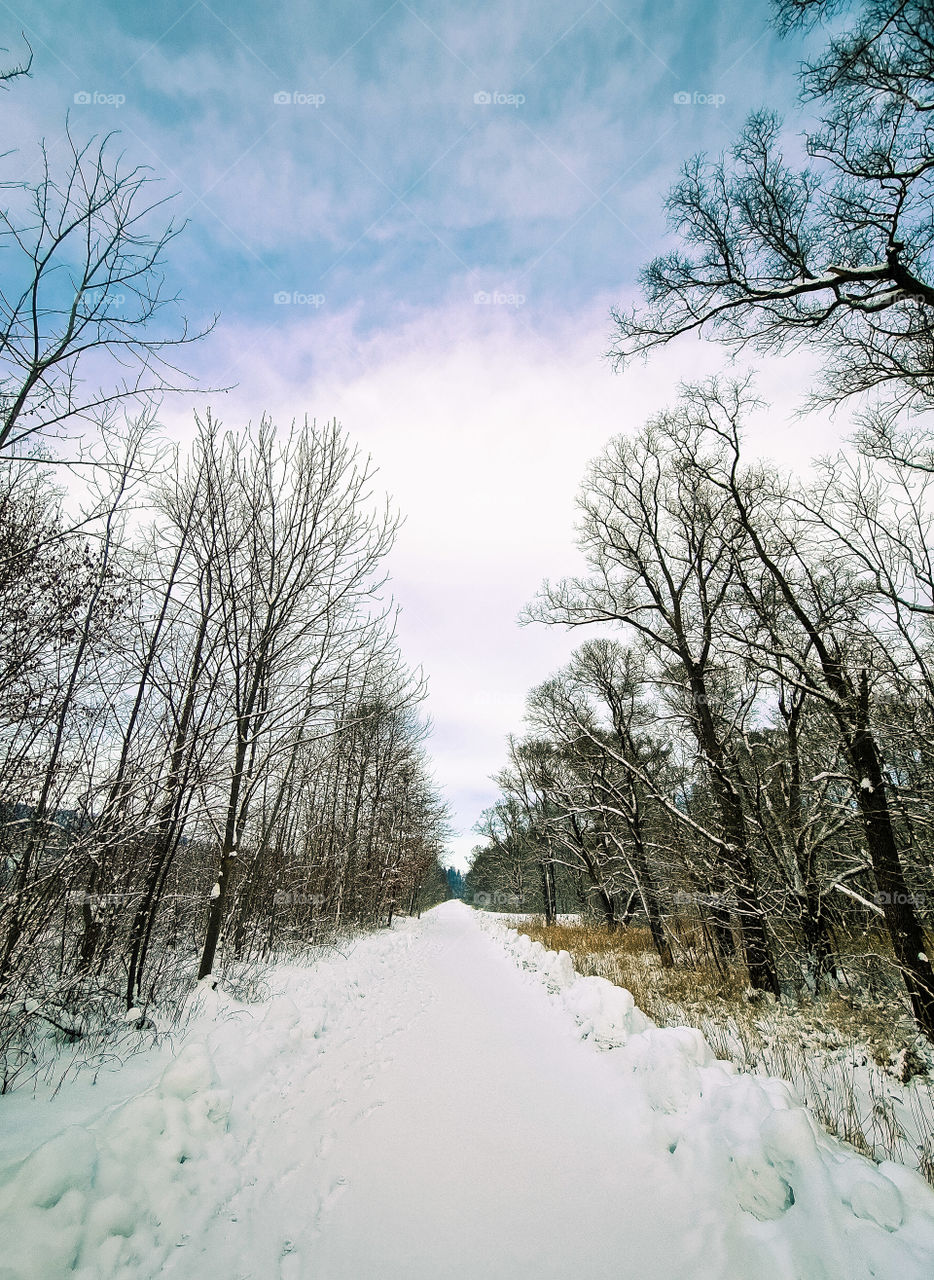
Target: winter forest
(677,921)
(209,731)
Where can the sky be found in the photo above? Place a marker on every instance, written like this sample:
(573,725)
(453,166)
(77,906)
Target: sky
(415,218)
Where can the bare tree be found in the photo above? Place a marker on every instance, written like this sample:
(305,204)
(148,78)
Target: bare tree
(294,555)
(21,68)
(826,605)
(84,286)
(657,539)
(69,732)
(836,254)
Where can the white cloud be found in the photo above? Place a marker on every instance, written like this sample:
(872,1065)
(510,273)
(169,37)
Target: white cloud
(481,425)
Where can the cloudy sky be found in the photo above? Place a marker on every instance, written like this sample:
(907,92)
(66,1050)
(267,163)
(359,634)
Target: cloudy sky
(414,217)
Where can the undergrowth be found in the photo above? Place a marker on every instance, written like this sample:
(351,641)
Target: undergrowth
(853,1055)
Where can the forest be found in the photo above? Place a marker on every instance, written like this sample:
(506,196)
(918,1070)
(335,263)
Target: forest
(211,747)
(739,757)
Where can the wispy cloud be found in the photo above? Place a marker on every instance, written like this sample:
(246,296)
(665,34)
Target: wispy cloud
(415,217)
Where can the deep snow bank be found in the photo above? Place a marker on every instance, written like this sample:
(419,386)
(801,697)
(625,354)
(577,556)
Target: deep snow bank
(146,1158)
(745,1132)
(96,1201)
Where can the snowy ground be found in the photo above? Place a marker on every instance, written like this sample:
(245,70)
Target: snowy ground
(445,1100)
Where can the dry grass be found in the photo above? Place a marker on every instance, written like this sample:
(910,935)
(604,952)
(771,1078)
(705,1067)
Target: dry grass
(849,1055)
(626,958)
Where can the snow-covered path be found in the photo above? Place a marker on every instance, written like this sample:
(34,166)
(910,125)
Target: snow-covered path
(425,1107)
(457,1128)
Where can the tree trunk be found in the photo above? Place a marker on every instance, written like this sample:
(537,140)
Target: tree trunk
(549,903)
(762,971)
(894,897)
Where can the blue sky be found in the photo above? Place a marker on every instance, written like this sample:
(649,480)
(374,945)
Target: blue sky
(398,191)
(451,201)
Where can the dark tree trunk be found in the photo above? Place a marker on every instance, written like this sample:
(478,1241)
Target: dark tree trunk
(721,926)
(759,961)
(894,897)
(549,904)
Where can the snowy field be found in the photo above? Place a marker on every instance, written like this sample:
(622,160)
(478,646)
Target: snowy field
(443,1100)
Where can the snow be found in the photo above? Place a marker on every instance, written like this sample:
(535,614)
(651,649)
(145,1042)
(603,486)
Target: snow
(446,1099)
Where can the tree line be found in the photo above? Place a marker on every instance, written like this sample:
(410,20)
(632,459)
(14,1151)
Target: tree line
(750,767)
(206,728)
(211,747)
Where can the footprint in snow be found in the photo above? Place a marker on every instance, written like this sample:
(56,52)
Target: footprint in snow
(327,1204)
(290,1262)
(368,1111)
